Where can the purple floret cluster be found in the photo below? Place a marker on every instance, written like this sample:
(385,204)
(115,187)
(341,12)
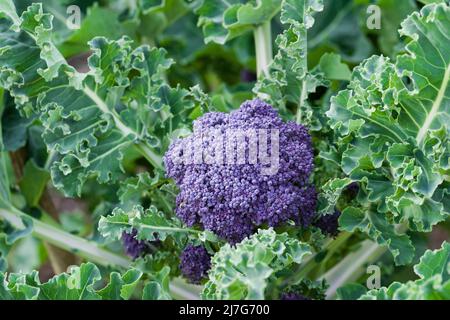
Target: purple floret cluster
(195,263)
(232,200)
(133,247)
(293,296)
(329,224)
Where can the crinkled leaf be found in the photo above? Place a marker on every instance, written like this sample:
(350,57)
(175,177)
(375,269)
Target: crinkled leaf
(245,270)
(158,287)
(8,9)
(80,283)
(121,286)
(397,116)
(160,191)
(435,263)
(150,224)
(377,226)
(224,20)
(19,286)
(333,68)
(330,194)
(89,119)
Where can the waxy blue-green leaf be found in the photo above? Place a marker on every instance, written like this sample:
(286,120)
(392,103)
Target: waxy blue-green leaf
(330,194)
(80,283)
(90,119)
(397,114)
(224,20)
(150,224)
(377,226)
(19,286)
(121,286)
(8,9)
(244,271)
(158,287)
(5,195)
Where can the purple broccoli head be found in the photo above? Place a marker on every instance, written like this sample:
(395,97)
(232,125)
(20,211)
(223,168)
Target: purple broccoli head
(293,296)
(134,248)
(329,224)
(195,263)
(352,189)
(241,170)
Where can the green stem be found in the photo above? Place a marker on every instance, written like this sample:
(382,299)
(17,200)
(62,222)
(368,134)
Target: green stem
(303,97)
(150,156)
(184,291)
(310,263)
(158,228)
(51,234)
(50,158)
(351,267)
(263,48)
(86,249)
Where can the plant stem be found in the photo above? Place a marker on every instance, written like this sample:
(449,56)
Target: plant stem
(303,97)
(86,249)
(310,262)
(82,247)
(50,158)
(150,156)
(263,48)
(351,267)
(185,291)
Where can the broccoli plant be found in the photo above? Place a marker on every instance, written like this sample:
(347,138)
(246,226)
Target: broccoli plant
(224,150)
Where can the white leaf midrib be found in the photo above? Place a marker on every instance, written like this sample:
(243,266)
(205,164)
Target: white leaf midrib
(104,108)
(435,108)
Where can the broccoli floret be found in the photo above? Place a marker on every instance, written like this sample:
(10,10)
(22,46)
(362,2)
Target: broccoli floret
(293,296)
(195,263)
(329,224)
(133,247)
(232,200)
(352,189)
(305,290)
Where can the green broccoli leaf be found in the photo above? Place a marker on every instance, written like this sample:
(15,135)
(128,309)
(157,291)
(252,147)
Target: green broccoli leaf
(90,119)
(245,271)
(158,287)
(150,224)
(393,124)
(78,284)
(377,226)
(222,21)
(33,183)
(121,286)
